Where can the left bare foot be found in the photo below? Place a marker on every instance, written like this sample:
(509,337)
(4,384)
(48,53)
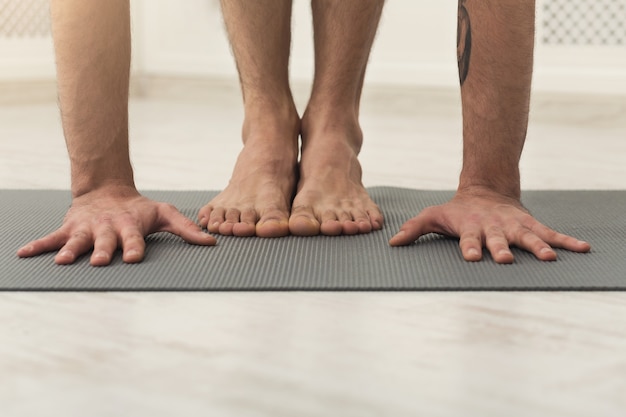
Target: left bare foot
(331,199)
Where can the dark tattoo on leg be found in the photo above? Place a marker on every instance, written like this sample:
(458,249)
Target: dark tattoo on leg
(463,41)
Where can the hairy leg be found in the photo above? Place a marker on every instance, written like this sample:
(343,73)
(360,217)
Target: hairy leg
(258,197)
(330,197)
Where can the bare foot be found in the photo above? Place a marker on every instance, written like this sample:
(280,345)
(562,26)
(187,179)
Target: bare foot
(330,198)
(258,197)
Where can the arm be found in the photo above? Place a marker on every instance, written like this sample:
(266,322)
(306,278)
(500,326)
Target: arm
(92,45)
(495,54)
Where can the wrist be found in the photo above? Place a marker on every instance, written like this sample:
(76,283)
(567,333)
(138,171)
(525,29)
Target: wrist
(502,183)
(106,190)
(94,176)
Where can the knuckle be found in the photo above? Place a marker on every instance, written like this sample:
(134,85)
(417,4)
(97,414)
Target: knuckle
(493,230)
(550,234)
(190,224)
(104,219)
(80,235)
(133,237)
(468,239)
(525,235)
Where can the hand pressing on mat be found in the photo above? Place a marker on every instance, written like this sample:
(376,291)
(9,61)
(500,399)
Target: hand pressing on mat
(495,40)
(92,48)
(483,218)
(109,218)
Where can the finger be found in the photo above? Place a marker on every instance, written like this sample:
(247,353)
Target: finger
(471,244)
(413,229)
(105,245)
(184,227)
(559,240)
(525,239)
(133,244)
(79,243)
(498,245)
(49,243)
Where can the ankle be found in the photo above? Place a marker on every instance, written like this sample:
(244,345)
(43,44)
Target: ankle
(335,127)
(279,106)
(271,123)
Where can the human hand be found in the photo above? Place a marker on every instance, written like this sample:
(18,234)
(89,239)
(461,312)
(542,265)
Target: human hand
(482,218)
(109,218)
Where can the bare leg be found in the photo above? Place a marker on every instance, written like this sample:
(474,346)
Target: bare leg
(330,197)
(258,198)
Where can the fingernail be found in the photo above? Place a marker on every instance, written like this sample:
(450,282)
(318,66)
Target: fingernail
(504,252)
(65,254)
(27,248)
(582,242)
(400,234)
(101,255)
(547,250)
(472,252)
(132,252)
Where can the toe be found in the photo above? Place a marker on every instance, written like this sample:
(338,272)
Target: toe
(273,223)
(302,222)
(376,218)
(348,225)
(331,226)
(362,221)
(204,214)
(231,218)
(215,220)
(246,225)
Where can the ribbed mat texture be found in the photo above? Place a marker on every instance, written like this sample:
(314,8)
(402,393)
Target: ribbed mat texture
(362,262)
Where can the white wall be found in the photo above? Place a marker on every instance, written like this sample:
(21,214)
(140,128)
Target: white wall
(416,45)
(26,59)
(191,40)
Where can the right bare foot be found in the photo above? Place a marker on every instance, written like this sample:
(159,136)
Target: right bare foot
(257,200)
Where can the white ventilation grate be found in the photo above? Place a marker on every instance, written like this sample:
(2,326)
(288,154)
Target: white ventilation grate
(584,22)
(24,18)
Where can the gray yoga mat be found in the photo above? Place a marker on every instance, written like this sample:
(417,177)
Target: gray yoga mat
(362,262)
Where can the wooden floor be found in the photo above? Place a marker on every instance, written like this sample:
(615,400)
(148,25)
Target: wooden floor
(316,354)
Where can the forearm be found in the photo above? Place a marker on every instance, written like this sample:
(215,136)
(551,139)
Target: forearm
(495,51)
(92,45)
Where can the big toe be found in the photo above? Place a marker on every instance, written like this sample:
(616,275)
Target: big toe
(302,222)
(273,223)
